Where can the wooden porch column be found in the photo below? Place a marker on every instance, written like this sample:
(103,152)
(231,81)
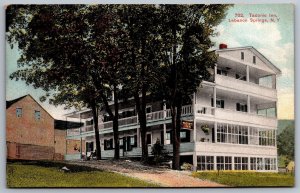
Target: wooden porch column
(138,137)
(274,81)
(248,76)
(215,98)
(66,135)
(215,72)
(216,129)
(194,133)
(80,136)
(164,125)
(248,104)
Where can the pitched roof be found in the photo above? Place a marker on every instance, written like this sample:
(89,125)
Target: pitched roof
(257,53)
(62,125)
(9,103)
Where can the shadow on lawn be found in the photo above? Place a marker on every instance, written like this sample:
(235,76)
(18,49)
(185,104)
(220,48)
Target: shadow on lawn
(54,164)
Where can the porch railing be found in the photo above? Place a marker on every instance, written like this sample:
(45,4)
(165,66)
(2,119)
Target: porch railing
(128,121)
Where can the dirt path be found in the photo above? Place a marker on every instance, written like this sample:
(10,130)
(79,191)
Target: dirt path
(160,176)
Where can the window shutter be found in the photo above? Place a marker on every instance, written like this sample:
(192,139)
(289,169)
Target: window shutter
(212,102)
(246,108)
(111,141)
(238,106)
(135,140)
(171,136)
(213,134)
(105,144)
(129,148)
(222,104)
(188,136)
(162,139)
(124,144)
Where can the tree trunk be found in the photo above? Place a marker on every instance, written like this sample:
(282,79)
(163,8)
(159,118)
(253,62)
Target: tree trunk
(96,129)
(141,109)
(176,110)
(115,120)
(116,125)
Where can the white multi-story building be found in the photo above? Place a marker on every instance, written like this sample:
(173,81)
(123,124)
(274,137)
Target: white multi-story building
(230,125)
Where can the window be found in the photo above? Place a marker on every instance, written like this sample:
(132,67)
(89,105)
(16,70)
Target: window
(220,103)
(121,142)
(19,112)
(270,164)
(241,107)
(148,139)
(228,163)
(185,135)
(168,137)
(108,144)
(37,115)
(254,60)
(220,163)
(256,163)
(205,162)
(222,72)
(132,141)
(149,109)
(90,122)
(89,146)
(242,56)
(244,163)
(267,137)
(268,112)
(263,137)
(224,163)
(182,134)
(240,163)
(235,134)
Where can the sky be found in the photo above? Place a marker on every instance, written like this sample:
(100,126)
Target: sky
(274,40)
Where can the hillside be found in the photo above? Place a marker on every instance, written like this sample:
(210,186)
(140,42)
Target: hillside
(283,123)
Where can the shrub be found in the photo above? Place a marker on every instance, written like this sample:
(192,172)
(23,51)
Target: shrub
(159,153)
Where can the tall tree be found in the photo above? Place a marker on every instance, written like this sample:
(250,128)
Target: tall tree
(286,142)
(141,23)
(57,54)
(187,44)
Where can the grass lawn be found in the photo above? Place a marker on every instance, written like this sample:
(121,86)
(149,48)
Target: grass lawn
(248,179)
(30,175)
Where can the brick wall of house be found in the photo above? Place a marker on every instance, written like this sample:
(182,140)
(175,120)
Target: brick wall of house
(59,144)
(29,152)
(73,146)
(36,135)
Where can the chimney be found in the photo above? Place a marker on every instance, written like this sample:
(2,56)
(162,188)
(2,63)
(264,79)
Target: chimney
(222,46)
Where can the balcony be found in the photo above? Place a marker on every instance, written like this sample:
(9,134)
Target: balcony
(244,86)
(211,113)
(153,118)
(221,148)
(244,117)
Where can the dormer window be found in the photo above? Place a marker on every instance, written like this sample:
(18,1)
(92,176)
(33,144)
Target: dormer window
(242,56)
(254,60)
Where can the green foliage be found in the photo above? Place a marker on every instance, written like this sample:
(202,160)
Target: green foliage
(286,142)
(283,160)
(21,176)
(248,179)
(80,54)
(283,123)
(159,152)
(187,166)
